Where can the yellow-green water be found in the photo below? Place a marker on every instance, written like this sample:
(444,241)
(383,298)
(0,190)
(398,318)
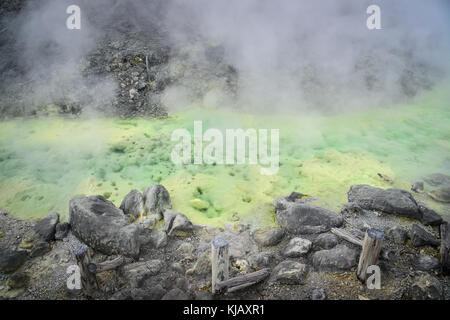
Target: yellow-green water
(44,162)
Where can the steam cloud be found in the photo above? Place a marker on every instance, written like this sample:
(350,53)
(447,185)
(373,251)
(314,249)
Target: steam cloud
(287,55)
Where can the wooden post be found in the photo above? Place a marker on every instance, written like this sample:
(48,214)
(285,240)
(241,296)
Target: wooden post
(243,281)
(219,261)
(370,251)
(445,247)
(88,279)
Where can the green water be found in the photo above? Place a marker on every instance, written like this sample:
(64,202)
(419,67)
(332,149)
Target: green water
(45,162)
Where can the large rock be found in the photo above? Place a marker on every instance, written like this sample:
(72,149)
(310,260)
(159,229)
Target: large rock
(175,221)
(445,247)
(297,247)
(420,237)
(302,218)
(429,217)
(326,241)
(441,194)
(268,237)
(62,230)
(340,258)
(393,201)
(10,261)
(290,272)
(102,226)
(133,204)
(157,200)
(46,228)
(427,263)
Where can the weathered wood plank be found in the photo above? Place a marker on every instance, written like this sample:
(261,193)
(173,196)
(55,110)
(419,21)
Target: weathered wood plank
(243,281)
(219,262)
(370,250)
(107,265)
(88,279)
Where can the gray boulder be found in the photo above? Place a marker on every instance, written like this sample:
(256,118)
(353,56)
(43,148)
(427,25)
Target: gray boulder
(158,239)
(261,259)
(133,204)
(441,194)
(420,237)
(429,217)
(10,261)
(102,226)
(46,228)
(418,187)
(425,262)
(393,201)
(290,272)
(268,237)
(157,200)
(175,221)
(340,258)
(326,241)
(301,218)
(297,247)
(437,179)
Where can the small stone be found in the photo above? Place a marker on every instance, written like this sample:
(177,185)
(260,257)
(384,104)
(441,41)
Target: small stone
(290,272)
(326,241)
(426,287)
(182,283)
(420,237)
(261,259)
(418,187)
(12,260)
(340,258)
(157,200)
(175,221)
(202,265)
(17,280)
(177,267)
(318,294)
(133,204)
(427,263)
(297,247)
(268,237)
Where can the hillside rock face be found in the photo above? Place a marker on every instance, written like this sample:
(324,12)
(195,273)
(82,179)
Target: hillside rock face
(102,226)
(393,201)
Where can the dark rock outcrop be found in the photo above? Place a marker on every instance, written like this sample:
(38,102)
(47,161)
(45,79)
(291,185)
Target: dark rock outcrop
(429,217)
(302,218)
(426,287)
(133,204)
(157,200)
(326,241)
(393,201)
(10,261)
(426,263)
(339,259)
(290,272)
(46,228)
(420,237)
(397,234)
(102,226)
(62,229)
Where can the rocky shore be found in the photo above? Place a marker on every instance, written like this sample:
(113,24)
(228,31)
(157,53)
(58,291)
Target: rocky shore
(157,253)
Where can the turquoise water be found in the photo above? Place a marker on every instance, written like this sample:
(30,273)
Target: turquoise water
(46,161)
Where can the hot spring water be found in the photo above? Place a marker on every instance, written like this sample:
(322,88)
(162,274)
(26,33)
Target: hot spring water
(44,162)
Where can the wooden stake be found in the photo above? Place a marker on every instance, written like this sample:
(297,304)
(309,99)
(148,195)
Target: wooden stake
(219,261)
(243,281)
(370,250)
(88,279)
